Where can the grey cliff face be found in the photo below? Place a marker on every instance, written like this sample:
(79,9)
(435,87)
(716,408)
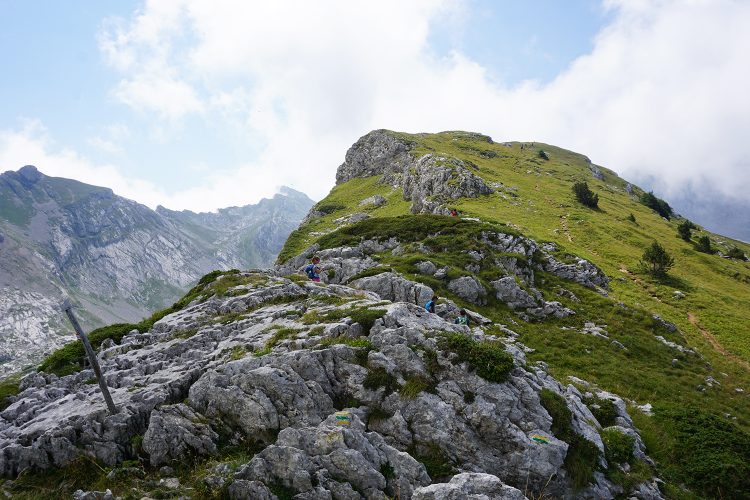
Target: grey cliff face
(182,382)
(120,260)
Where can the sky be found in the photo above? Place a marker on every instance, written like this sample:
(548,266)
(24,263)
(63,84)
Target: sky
(202,104)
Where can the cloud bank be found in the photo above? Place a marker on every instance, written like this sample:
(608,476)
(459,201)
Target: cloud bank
(661,97)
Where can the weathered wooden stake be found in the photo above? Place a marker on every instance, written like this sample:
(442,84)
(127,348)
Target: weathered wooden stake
(68,308)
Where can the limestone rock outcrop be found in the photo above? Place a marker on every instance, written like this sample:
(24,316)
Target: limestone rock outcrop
(270,363)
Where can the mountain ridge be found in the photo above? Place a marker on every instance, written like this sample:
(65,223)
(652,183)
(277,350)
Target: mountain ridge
(118,258)
(578,376)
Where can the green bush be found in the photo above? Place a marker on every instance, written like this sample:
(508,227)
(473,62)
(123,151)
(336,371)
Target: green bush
(583,456)
(487,357)
(69,358)
(736,253)
(380,377)
(618,447)
(366,317)
(581,461)
(584,195)
(656,204)
(631,217)
(560,413)
(329,208)
(656,260)
(704,245)
(439,466)
(8,387)
(711,454)
(684,230)
(415,385)
(603,409)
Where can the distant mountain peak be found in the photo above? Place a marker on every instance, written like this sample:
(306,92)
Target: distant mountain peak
(30,173)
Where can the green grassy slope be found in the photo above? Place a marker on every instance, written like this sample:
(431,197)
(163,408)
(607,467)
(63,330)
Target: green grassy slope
(533,196)
(537,200)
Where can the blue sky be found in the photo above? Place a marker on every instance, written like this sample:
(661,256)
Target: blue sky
(196,104)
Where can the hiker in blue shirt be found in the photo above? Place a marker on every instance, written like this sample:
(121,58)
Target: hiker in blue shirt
(430,306)
(313,270)
(462,318)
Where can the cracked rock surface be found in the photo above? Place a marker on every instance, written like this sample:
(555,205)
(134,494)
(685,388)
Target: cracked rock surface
(272,361)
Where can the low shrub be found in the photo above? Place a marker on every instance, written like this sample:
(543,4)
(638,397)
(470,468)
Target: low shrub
(415,385)
(8,387)
(583,456)
(329,208)
(581,461)
(711,454)
(281,334)
(487,357)
(439,466)
(380,377)
(618,447)
(603,409)
(736,253)
(560,413)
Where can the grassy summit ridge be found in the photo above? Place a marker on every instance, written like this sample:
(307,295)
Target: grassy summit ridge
(533,197)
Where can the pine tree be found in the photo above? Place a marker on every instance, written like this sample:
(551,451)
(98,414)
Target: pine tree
(684,230)
(585,195)
(656,260)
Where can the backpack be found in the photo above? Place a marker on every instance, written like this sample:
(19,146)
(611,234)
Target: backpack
(310,271)
(428,306)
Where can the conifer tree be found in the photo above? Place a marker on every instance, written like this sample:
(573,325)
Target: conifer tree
(656,260)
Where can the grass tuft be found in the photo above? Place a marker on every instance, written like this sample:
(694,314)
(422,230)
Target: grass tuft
(488,358)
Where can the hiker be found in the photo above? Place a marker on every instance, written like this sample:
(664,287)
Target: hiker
(313,270)
(430,306)
(454,212)
(462,318)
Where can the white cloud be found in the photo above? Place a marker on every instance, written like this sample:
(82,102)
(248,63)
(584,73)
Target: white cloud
(110,138)
(661,94)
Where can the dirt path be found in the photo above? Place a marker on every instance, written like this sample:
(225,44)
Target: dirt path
(564,225)
(715,343)
(638,281)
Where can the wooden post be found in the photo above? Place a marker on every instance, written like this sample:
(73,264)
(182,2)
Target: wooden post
(68,308)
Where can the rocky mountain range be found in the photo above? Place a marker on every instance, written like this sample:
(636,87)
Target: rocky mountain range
(117,259)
